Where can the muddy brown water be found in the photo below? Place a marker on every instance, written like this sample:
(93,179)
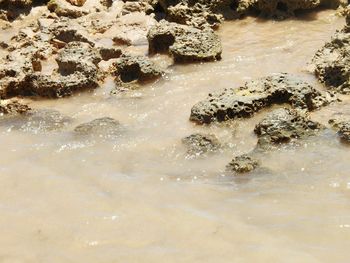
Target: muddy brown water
(139,199)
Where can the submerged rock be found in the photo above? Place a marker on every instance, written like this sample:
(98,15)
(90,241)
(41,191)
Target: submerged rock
(139,69)
(332,62)
(13,107)
(105,128)
(37,121)
(255,95)
(184,43)
(343,127)
(199,144)
(283,125)
(242,164)
(56,86)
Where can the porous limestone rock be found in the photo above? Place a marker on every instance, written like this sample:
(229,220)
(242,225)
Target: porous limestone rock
(198,144)
(284,125)
(255,95)
(184,43)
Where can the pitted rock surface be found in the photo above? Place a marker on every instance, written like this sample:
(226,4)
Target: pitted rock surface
(184,43)
(343,128)
(284,125)
(56,86)
(110,53)
(24,57)
(207,13)
(242,164)
(105,128)
(141,69)
(78,56)
(198,144)
(332,62)
(244,101)
(13,107)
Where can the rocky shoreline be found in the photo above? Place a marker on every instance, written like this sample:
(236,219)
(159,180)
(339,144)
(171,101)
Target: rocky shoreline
(70,33)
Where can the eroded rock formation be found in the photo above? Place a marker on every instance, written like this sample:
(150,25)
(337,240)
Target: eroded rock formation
(244,101)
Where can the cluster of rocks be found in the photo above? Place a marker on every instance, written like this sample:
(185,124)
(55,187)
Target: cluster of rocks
(209,13)
(77,57)
(184,29)
(278,127)
(22,118)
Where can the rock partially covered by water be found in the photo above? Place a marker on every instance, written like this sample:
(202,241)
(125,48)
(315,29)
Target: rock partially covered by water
(77,71)
(37,121)
(78,57)
(105,128)
(184,43)
(332,62)
(199,15)
(13,107)
(209,13)
(244,101)
(343,127)
(139,69)
(243,164)
(198,144)
(286,8)
(56,86)
(283,125)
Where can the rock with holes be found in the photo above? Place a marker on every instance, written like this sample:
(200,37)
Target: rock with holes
(284,125)
(56,86)
(184,43)
(25,55)
(110,53)
(138,69)
(343,128)
(198,144)
(206,13)
(331,64)
(78,56)
(243,164)
(105,128)
(246,100)
(13,107)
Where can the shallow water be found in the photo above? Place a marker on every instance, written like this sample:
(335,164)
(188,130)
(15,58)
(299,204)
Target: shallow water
(139,199)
